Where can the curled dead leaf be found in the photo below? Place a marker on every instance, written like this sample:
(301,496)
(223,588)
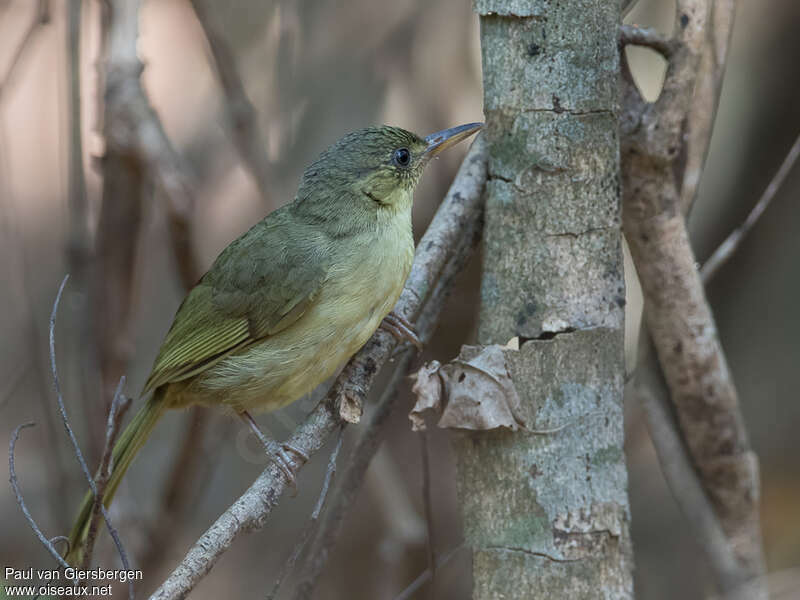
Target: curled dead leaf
(428,390)
(474,391)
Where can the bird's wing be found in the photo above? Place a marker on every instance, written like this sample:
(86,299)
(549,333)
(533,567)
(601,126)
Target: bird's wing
(259,285)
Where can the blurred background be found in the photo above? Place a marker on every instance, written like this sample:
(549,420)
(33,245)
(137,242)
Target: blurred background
(314,71)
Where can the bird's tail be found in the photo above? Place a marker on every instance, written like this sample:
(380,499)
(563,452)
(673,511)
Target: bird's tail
(126,448)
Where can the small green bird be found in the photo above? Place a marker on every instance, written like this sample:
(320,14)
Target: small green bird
(288,302)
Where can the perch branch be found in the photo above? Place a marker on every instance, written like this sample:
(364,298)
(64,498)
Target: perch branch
(460,208)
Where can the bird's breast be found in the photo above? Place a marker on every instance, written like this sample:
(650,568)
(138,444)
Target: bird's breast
(363,284)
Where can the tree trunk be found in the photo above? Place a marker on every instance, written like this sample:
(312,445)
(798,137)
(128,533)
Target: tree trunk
(545,510)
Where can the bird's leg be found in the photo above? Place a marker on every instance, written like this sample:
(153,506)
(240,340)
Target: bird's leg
(275,451)
(401,329)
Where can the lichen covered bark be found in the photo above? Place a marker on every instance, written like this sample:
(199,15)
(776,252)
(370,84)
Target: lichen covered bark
(545,510)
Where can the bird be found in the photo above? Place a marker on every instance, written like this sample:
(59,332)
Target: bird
(288,302)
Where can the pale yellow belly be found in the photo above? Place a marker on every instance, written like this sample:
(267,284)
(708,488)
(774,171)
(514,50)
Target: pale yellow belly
(288,365)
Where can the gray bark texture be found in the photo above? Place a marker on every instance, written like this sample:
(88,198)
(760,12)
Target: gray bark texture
(545,509)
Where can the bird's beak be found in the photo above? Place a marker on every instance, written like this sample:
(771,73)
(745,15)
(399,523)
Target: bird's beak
(442,140)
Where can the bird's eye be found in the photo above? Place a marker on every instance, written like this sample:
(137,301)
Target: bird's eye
(401,157)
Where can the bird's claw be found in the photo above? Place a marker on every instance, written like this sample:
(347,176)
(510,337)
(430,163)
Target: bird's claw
(277,453)
(401,329)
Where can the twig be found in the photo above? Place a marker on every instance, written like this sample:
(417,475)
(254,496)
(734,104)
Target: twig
(60,538)
(648,37)
(119,405)
(731,243)
(239,111)
(41,17)
(426,575)
(428,502)
(676,463)
(702,110)
(355,468)
(18,494)
(79,455)
(312,524)
(460,209)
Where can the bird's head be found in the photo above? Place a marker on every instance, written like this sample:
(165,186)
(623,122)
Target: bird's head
(372,170)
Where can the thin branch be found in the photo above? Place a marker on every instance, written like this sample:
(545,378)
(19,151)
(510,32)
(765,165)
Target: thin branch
(41,17)
(119,405)
(239,112)
(426,575)
(702,110)
(460,209)
(646,36)
(676,464)
(731,243)
(76,448)
(21,502)
(312,523)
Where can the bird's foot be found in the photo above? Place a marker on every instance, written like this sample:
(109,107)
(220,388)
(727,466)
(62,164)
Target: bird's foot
(277,453)
(401,329)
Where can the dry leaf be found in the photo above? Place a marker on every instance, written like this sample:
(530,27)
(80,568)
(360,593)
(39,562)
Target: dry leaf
(428,390)
(476,393)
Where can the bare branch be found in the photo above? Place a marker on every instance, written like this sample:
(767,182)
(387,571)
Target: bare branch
(731,243)
(79,455)
(239,111)
(460,209)
(658,149)
(18,495)
(648,37)
(426,575)
(312,523)
(702,110)
(119,405)
(676,464)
